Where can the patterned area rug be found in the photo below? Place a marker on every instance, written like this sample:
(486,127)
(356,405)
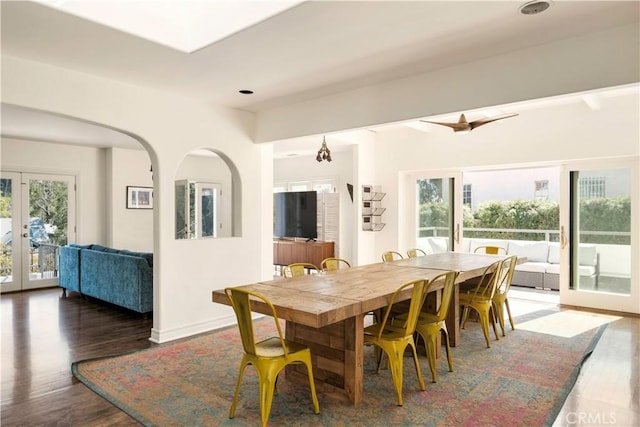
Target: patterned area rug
(523,379)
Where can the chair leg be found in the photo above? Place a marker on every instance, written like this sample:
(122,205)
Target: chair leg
(497,306)
(396,373)
(416,362)
(312,386)
(484,323)
(448,349)
(465,316)
(395,354)
(234,402)
(430,344)
(267,381)
(378,353)
(506,303)
(492,314)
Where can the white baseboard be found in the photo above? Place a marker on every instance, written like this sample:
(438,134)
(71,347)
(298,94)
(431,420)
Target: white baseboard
(167,335)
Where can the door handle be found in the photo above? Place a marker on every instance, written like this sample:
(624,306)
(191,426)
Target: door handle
(563,238)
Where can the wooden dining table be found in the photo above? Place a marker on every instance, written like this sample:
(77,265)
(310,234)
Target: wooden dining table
(326,311)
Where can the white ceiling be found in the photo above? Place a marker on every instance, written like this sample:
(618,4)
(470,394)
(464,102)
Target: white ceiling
(311,50)
(186,26)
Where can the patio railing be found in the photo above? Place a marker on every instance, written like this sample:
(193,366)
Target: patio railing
(523,234)
(43,261)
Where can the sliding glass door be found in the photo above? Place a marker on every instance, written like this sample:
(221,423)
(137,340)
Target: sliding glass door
(438,213)
(599,236)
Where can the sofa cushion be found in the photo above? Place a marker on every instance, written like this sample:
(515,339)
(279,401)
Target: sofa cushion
(533,267)
(75,245)
(146,255)
(583,270)
(554,253)
(438,244)
(588,255)
(101,248)
(533,251)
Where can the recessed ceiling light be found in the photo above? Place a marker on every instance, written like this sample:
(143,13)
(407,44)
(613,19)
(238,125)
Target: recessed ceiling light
(246,91)
(535,7)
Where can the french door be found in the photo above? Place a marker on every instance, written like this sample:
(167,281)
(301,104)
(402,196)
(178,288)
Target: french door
(438,213)
(599,235)
(37,216)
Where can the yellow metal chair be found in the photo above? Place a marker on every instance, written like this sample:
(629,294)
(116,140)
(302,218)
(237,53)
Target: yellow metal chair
(413,253)
(500,299)
(332,264)
(268,357)
(481,299)
(394,339)
(391,256)
(430,325)
(490,250)
(298,269)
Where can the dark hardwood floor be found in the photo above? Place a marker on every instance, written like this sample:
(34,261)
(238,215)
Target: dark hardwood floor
(42,334)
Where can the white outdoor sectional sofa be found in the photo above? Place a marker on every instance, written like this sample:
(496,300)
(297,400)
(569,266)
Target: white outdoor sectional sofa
(542,268)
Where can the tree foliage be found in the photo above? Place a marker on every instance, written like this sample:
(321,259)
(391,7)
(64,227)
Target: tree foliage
(596,215)
(429,191)
(605,215)
(48,200)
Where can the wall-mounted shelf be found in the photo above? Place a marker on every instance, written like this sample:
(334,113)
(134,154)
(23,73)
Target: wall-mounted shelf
(371,223)
(371,208)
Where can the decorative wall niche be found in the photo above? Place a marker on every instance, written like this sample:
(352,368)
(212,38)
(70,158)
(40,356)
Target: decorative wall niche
(207,189)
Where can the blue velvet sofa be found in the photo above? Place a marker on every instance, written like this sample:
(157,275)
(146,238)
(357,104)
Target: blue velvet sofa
(117,276)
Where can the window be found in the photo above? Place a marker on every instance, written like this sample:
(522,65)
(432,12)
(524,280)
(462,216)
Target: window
(466,194)
(541,191)
(592,187)
(320,186)
(323,187)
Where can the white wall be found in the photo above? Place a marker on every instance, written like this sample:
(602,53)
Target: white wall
(130,229)
(87,164)
(102,177)
(534,138)
(185,271)
(364,161)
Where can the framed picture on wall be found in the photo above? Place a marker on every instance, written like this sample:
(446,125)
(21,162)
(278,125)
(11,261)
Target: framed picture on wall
(139,197)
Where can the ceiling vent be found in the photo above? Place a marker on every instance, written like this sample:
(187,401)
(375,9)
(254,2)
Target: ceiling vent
(534,7)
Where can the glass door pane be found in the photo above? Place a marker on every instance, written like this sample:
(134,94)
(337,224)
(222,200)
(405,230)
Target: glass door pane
(600,237)
(48,215)
(436,214)
(207,206)
(10,267)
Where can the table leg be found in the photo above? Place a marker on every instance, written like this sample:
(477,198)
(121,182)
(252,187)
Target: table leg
(337,352)
(354,358)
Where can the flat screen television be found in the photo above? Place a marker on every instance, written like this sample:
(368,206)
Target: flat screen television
(295,214)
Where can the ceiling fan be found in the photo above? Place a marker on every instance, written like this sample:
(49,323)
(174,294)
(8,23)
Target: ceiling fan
(463,126)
